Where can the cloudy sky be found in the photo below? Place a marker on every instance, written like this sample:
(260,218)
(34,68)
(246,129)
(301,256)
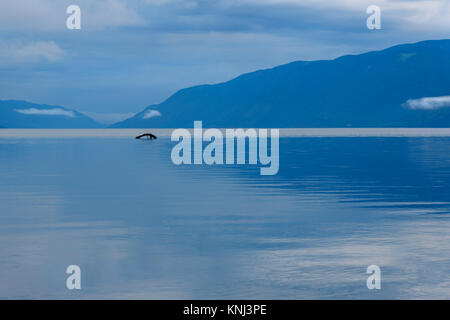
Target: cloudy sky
(133,53)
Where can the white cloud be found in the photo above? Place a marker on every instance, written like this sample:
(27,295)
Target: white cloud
(151,113)
(109,13)
(30,15)
(33,52)
(177,3)
(428,103)
(50,15)
(47,112)
(40,50)
(419,14)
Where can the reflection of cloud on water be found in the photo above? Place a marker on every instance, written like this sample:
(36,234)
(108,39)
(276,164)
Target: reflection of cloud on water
(414,258)
(430,154)
(34,261)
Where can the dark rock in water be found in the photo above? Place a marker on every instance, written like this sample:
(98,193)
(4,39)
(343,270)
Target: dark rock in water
(149,136)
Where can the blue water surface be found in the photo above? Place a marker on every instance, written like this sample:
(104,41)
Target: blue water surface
(141,227)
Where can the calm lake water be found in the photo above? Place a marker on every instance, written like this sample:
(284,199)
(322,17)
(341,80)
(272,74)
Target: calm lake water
(141,227)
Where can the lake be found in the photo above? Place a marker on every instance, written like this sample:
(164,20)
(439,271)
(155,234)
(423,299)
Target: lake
(140,227)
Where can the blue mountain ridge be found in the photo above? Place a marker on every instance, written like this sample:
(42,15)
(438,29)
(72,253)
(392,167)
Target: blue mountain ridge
(22,114)
(365,90)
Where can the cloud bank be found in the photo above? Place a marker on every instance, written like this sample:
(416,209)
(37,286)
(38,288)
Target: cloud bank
(46,112)
(151,113)
(428,103)
(47,51)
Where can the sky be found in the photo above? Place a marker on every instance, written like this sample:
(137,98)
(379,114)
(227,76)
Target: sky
(130,54)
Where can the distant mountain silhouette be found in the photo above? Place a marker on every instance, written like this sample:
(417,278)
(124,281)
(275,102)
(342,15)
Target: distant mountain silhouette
(22,114)
(366,90)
